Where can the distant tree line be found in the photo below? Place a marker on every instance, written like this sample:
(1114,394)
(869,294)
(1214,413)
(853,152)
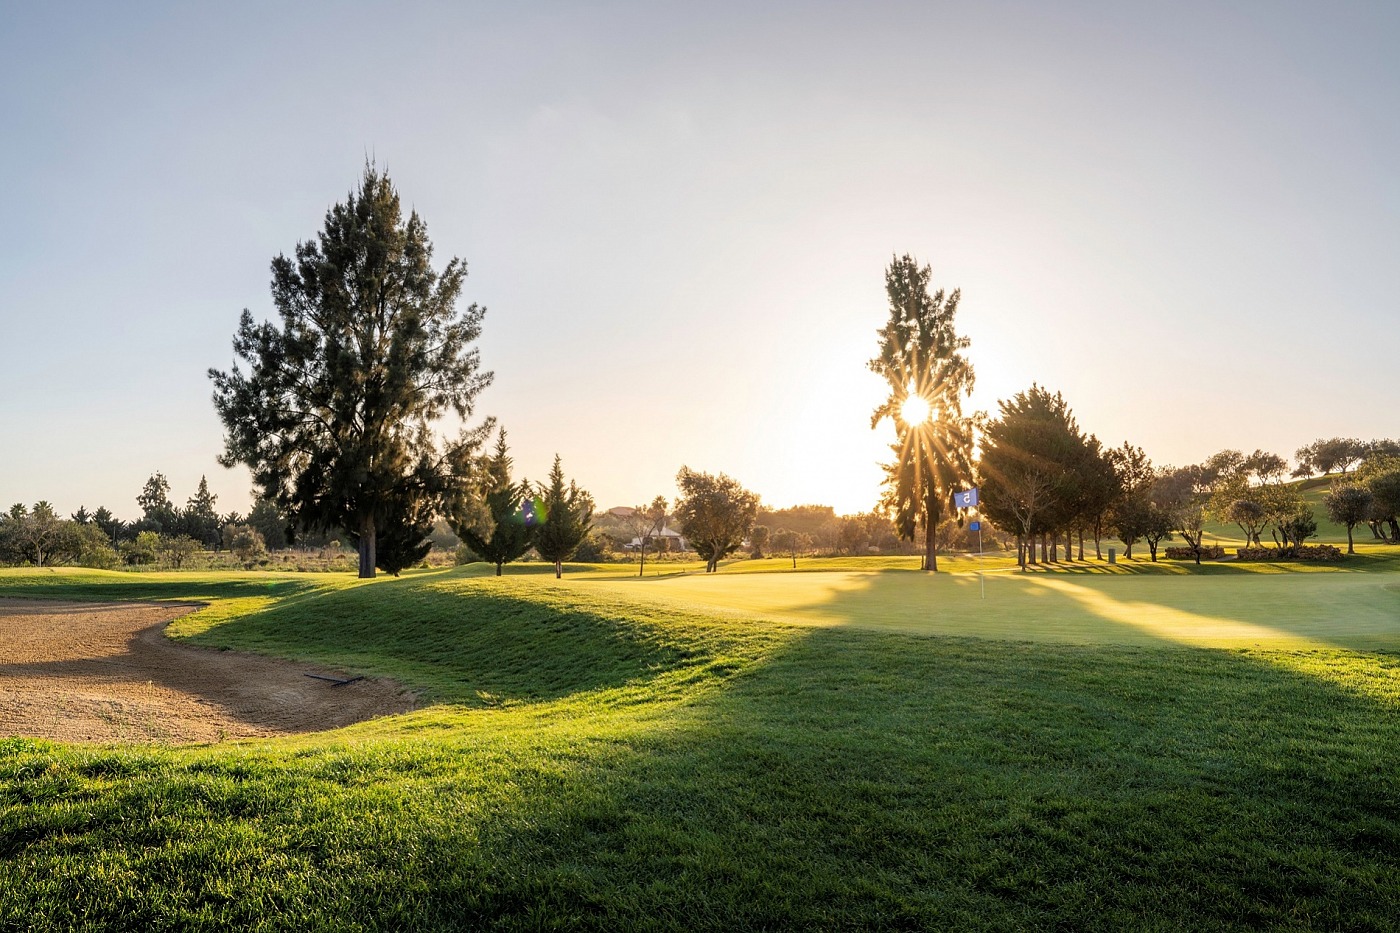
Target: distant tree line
(1049,483)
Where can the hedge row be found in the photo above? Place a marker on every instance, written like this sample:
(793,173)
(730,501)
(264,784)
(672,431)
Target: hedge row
(1306,552)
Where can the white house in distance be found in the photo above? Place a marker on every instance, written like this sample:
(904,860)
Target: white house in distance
(674,540)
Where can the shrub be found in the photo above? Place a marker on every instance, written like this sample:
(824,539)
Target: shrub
(1213,552)
(246,542)
(593,550)
(96,551)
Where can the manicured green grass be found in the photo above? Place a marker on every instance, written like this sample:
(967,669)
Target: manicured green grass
(826,750)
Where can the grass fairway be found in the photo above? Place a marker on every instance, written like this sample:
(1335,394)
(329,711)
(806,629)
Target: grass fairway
(1154,748)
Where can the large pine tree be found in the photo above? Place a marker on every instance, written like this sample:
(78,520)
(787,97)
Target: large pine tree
(334,415)
(921,359)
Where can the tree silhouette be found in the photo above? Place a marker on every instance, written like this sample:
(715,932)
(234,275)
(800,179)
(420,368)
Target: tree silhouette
(921,359)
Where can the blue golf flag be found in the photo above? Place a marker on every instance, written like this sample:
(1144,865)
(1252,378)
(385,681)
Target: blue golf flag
(966,499)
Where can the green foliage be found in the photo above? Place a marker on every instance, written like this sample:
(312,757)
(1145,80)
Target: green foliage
(789,542)
(200,520)
(595,549)
(406,539)
(175,550)
(114,528)
(157,511)
(920,356)
(568,516)
(142,550)
(95,548)
(645,522)
(758,540)
(38,537)
(715,512)
(507,530)
(245,542)
(270,522)
(1297,528)
(334,416)
(1382,477)
(1328,454)
(817,521)
(1349,505)
(1034,462)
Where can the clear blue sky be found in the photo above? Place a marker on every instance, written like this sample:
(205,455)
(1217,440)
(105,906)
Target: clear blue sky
(1185,217)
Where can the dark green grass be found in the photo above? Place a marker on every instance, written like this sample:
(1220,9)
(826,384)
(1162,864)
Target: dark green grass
(639,767)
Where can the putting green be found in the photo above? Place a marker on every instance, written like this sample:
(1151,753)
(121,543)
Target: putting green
(1357,611)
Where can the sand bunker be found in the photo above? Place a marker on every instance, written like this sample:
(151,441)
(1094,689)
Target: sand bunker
(94,672)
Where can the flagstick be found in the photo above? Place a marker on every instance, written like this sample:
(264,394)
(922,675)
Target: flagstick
(980,578)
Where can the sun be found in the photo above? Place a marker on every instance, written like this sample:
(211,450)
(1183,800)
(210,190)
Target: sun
(915,410)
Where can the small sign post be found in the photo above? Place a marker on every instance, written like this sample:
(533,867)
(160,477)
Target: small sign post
(968,499)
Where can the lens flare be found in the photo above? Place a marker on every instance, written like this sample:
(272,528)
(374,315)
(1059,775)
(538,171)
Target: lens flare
(915,410)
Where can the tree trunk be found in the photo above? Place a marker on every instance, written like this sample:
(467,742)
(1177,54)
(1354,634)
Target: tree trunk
(367,554)
(1098,552)
(1351,548)
(932,513)
(794,560)
(558,570)
(641,571)
(499,565)
(1081,543)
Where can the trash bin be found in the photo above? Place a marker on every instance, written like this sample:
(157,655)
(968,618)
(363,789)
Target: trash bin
(1113,555)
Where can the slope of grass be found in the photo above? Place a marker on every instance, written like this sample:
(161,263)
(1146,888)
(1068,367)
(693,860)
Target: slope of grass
(618,754)
(1314,491)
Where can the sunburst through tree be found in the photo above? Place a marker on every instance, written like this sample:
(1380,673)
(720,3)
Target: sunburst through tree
(921,359)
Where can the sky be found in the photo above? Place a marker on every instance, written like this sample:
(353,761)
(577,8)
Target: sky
(1185,217)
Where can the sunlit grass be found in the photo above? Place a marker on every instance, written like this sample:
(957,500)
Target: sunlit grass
(830,749)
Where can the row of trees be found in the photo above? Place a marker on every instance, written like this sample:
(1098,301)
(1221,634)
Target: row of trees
(1340,454)
(41,537)
(198,520)
(1047,482)
(553,518)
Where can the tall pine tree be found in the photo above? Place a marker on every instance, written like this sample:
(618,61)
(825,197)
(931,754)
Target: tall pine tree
(921,359)
(334,415)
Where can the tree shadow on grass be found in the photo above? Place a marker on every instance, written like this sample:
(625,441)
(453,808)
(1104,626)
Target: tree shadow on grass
(860,780)
(847,780)
(493,643)
(838,778)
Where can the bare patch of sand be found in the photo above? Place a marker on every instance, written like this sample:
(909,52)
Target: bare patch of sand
(94,672)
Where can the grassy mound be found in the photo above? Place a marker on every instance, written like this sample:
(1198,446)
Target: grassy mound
(606,753)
